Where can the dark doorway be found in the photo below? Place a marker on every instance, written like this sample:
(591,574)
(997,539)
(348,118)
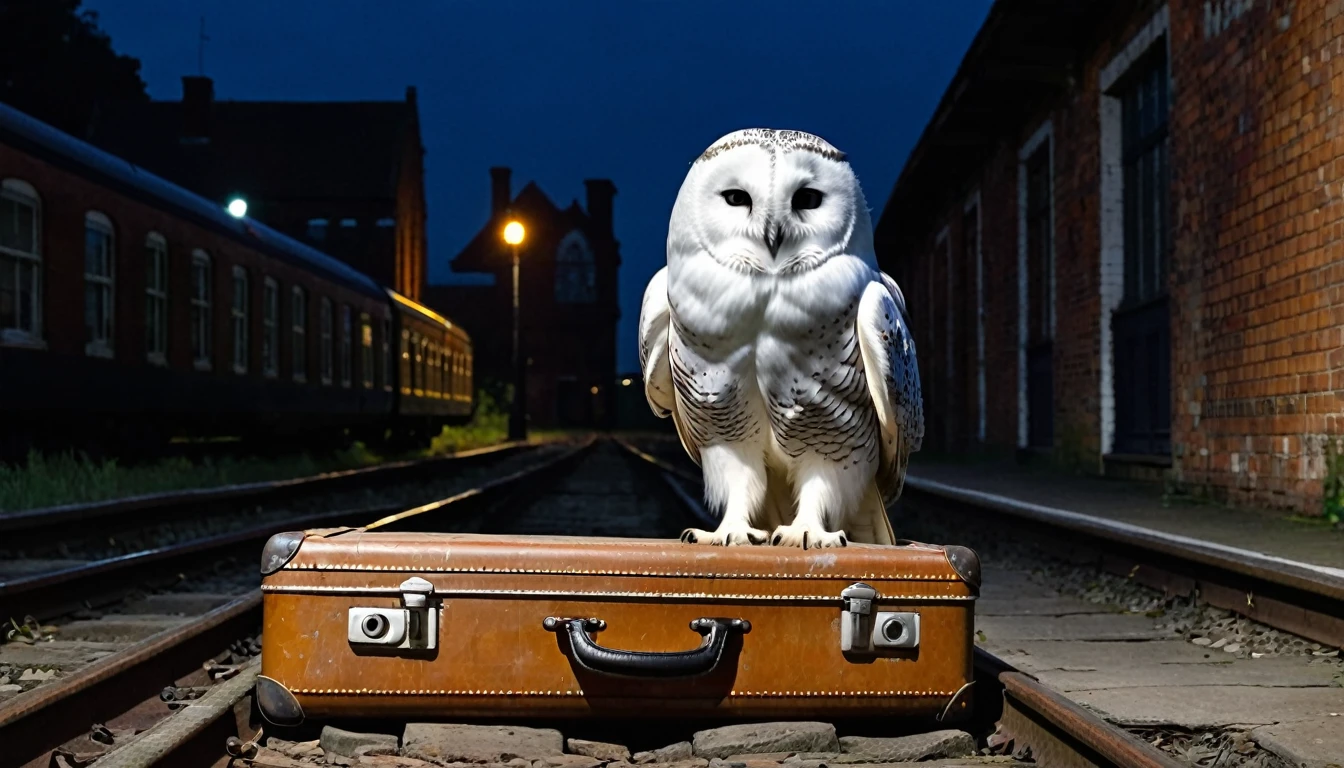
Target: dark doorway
(1040,301)
(1141,325)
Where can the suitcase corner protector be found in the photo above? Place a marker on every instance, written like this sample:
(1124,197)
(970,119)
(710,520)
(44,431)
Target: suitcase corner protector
(279,550)
(277,704)
(965,562)
(959,706)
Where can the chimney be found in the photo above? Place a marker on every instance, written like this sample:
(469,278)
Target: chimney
(197,95)
(501,195)
(600,193)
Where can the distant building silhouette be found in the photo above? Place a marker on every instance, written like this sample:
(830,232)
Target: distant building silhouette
(345,177)
(568,298)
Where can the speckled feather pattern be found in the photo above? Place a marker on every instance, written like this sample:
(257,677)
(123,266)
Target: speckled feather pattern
(785,366)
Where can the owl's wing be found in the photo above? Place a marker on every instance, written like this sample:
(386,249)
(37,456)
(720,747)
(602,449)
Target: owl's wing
(655,363)
(893,380)
(654,317)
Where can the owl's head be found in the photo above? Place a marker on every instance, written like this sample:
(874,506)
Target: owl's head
(763,200)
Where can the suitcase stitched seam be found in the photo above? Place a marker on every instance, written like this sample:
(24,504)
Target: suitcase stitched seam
(394,592)
(579,572)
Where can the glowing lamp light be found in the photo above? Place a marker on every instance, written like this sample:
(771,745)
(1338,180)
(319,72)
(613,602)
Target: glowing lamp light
(593,390)
(238,207)
(625,382)
(513,233)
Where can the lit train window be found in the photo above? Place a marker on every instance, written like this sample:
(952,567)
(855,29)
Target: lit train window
(387,354)
(201,297)
(238,313)
(20,260)
(325,329)
(406,362)
(156,298)
(270,327)
(347,331)
(99,291)
(366,350)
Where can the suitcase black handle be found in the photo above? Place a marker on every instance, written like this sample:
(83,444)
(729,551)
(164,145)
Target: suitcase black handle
(696,661)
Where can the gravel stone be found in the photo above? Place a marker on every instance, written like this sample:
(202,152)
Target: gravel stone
(922,746)
(479,743)
(672,753)
(297,749)
(599,750)
(758,738)
(353,744)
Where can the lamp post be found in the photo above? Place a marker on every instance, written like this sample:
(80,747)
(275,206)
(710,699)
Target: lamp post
(513,235)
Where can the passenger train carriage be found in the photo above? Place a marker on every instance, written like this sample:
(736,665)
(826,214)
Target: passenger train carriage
(132,310)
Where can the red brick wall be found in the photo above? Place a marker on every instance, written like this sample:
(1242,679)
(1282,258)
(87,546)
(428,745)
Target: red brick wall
(1256,279)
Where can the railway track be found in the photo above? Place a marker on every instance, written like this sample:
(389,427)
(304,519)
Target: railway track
(593,488)
(94,642)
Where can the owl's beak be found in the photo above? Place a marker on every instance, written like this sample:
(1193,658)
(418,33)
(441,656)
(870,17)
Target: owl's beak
(774,235)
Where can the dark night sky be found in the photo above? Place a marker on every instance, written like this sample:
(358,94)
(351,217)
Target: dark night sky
(564,91)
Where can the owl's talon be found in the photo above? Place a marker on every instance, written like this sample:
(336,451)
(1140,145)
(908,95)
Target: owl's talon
(729,537)
(805,537)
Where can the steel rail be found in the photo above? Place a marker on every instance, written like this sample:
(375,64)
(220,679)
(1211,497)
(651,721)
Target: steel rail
(1302,598)
(35,723)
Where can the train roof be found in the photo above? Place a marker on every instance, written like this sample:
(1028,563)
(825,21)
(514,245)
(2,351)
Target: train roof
(65,151)
(413,307)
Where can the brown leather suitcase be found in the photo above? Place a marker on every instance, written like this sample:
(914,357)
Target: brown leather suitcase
(360,623)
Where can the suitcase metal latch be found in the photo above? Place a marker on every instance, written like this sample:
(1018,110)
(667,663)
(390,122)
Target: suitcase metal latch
(414,627)
(864,631)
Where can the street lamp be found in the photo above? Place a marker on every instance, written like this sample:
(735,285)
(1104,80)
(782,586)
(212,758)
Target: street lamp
(237,207)
(513,235)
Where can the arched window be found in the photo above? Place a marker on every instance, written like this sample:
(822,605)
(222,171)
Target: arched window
(99,289)
(270,327)
(575,271)
(20,261)
(200,309)
(325,324)
(347,333)
(238,313)
(156,298)
(298,316)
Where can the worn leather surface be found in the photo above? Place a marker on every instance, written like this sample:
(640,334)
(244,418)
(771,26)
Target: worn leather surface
(495,657)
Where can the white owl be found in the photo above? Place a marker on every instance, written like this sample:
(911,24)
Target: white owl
(780,350)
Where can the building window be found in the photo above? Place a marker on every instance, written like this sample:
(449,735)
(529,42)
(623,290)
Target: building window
(324,353)
(299,323)
(317,229)
(270,327)
(347,330)
(20,261)
(1144,158)
(575,271)
(98,284)
(239,317)
(348,223)
(156,298)
(386,223)
(366,350)
(387,354)
(200,309)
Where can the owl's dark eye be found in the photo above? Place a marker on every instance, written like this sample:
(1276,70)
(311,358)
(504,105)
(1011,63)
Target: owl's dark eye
(806,199)
(737,197)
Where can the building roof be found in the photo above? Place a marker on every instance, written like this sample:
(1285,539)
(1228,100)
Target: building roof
(1026,53)
(479,255)
(64,151)
(267,150)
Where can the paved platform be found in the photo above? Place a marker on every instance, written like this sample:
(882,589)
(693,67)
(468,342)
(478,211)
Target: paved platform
(1129,668)
(1268,533)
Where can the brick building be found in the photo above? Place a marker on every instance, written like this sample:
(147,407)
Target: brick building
(1120,239)
(344,177)
(568,301)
